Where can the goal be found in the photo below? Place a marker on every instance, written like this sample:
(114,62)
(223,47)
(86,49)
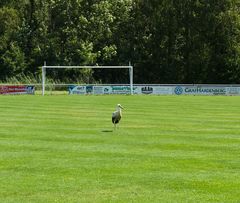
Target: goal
(45,67)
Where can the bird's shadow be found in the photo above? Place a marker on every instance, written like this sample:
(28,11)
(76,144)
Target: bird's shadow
(107,131)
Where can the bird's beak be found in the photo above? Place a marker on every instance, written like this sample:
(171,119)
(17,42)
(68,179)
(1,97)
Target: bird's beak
(121,107)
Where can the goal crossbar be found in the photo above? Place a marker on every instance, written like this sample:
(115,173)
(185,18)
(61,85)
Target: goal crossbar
(87,67)
(91,67)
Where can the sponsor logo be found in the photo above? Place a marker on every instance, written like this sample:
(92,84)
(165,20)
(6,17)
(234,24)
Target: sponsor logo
(147,90)
(215,91)
(106,90)
(233,90)
(80,88)
(89,89)
(178,90)
(98,90)
(77,90)
(120,89)
(30,89)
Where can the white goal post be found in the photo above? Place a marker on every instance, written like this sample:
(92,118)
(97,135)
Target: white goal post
(45,67)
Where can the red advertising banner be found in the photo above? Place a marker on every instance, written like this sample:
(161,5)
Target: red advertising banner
(16,89)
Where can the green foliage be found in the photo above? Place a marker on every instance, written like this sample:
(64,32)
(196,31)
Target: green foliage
(25,79)
(13,60)
(180,41)
(187,41)
(9,21)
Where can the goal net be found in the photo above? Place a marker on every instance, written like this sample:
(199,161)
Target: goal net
(45,68)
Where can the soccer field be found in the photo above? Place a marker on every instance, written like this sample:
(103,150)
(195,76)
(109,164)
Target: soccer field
(166,149)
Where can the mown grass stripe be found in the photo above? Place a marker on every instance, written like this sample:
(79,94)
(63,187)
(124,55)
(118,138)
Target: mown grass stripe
(166,149)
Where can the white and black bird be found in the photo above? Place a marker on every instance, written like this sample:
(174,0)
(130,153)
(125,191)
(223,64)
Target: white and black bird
(117,115)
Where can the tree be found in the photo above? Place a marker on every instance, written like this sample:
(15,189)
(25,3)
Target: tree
(167,41)
(12,58)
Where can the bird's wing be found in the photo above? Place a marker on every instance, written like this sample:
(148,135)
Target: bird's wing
(115,114)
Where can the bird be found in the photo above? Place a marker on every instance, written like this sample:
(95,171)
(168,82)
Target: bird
(117,115)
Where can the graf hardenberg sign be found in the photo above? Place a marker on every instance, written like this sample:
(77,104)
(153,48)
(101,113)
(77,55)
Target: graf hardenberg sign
(156,89)
(200,90)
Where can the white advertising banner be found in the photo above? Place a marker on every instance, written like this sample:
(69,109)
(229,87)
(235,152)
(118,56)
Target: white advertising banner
(155,89)
(98,89)
(233,90)
(77,90)
(199,90)
(152,89)
(162,90)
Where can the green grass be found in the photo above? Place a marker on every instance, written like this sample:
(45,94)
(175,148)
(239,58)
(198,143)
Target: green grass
(166,149)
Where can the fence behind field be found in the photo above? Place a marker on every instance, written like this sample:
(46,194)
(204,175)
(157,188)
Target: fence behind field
(138,89)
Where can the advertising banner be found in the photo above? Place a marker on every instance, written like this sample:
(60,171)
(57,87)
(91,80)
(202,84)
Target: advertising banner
(163,90)
(233,90)
(123,89)
(77,89)
(103,89)
(17,89)
(199,90)
(99,89)
(156,89)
